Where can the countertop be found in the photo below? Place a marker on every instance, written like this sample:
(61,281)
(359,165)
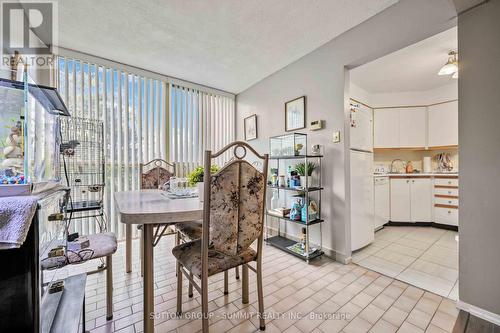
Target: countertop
(434,174)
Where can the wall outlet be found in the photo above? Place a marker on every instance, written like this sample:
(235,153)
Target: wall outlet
(336,137)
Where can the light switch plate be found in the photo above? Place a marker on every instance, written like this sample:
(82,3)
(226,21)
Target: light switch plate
(336,137)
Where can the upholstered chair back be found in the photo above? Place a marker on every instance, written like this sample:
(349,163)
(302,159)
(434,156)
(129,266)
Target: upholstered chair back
(155,173)
(237,200)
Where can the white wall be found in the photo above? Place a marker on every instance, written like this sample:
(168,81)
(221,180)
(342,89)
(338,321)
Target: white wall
(479,117)
(321,76)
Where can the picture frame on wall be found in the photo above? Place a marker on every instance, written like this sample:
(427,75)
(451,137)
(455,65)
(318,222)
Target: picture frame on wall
(250,124)
(295,114)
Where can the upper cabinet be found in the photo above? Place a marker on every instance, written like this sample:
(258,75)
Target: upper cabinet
(386,128)
(416,127)
(400,127)
(412,127)
(443,124)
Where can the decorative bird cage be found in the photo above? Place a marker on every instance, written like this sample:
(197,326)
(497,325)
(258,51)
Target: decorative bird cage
(82,158)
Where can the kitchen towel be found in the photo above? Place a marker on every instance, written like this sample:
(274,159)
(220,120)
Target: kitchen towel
(16,214)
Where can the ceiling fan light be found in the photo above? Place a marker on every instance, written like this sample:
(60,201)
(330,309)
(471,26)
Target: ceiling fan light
(451,65)
(448,69)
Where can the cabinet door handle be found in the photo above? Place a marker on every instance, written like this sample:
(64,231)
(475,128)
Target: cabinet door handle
(407,182)
(449,202)
(413,181)
(449,212)
(449,192)
(449,182)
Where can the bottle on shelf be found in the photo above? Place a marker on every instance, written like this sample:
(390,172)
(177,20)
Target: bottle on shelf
(275,200)
(303,239)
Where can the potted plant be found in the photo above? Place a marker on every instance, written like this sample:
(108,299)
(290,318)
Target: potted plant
(301,170)
(195,178)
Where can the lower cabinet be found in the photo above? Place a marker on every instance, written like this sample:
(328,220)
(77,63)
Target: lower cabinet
(400,200)
(411,200)
(421,199)
(446,215)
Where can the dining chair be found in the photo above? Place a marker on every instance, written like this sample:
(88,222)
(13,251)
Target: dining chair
(153,175)
(233,219)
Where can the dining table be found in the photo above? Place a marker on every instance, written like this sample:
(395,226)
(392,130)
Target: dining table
(155,210)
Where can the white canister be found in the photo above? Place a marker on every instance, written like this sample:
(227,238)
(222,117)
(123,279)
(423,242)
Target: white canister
(427,164)
(201,189)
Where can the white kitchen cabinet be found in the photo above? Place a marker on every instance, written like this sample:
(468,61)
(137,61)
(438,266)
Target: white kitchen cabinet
(412,127)
(382,202)
(443,124)
(446,215)
(411,200)
(421,199)
(400,200)
(386,128)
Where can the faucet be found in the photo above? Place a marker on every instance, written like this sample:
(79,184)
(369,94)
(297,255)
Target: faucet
(392,165)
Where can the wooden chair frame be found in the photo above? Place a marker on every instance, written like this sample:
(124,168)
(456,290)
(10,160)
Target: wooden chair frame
(203,289)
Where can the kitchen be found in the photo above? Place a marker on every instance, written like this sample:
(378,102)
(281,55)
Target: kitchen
(404,164)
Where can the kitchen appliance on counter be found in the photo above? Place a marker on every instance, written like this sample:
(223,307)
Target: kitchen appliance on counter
(427,165)
(361,170)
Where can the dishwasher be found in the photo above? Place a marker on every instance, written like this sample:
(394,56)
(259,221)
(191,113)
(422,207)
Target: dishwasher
(382,202)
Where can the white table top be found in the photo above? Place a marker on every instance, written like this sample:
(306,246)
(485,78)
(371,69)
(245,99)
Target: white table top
(152,206)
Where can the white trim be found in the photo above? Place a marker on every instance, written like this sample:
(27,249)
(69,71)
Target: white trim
(479,312)
(85,57)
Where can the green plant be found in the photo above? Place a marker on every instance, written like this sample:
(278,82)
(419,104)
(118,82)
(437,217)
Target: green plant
(196,176)
(301,168)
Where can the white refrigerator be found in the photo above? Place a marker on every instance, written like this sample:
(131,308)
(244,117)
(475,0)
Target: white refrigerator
(361,174)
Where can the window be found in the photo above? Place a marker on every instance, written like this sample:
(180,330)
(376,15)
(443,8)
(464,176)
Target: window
(199,121)
(144,118)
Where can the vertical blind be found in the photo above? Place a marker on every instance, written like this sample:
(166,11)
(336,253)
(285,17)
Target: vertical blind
(138,113)
(199,121)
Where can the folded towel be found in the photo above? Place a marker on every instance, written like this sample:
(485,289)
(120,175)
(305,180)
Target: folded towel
(16,214)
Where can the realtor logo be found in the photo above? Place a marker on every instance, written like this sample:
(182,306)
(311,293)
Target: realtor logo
(29,29)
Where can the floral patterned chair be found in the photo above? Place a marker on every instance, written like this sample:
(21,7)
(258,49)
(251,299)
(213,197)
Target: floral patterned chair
(233,219)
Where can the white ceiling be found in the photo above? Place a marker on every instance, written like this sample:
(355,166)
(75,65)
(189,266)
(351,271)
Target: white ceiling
(225,44)
(413,68)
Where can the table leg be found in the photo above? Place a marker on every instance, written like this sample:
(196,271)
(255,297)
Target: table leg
(128,248)
(148,279)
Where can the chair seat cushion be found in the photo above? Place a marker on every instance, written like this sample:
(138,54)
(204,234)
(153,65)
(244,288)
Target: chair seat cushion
(189,256)
(101,245)
(189,230)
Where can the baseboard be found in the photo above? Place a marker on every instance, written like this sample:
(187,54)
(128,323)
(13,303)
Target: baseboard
(422,224)
(479,312)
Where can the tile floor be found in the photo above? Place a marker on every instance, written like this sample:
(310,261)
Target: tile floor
(425,257)
(324,296)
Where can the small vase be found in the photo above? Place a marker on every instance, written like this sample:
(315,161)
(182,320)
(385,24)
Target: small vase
(201,189)
(303,180)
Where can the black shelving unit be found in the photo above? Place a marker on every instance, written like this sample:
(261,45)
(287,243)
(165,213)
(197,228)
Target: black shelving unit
(280,240)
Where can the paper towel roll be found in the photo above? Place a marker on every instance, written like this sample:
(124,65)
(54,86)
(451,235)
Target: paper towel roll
(427,164)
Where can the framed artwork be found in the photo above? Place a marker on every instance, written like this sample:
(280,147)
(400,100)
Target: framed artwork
(295,114)
(250,124)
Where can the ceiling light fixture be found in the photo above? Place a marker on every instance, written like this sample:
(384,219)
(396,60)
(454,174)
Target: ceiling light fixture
(451,66)
(455,75)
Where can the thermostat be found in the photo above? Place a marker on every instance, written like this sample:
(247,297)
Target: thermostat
(316,125)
